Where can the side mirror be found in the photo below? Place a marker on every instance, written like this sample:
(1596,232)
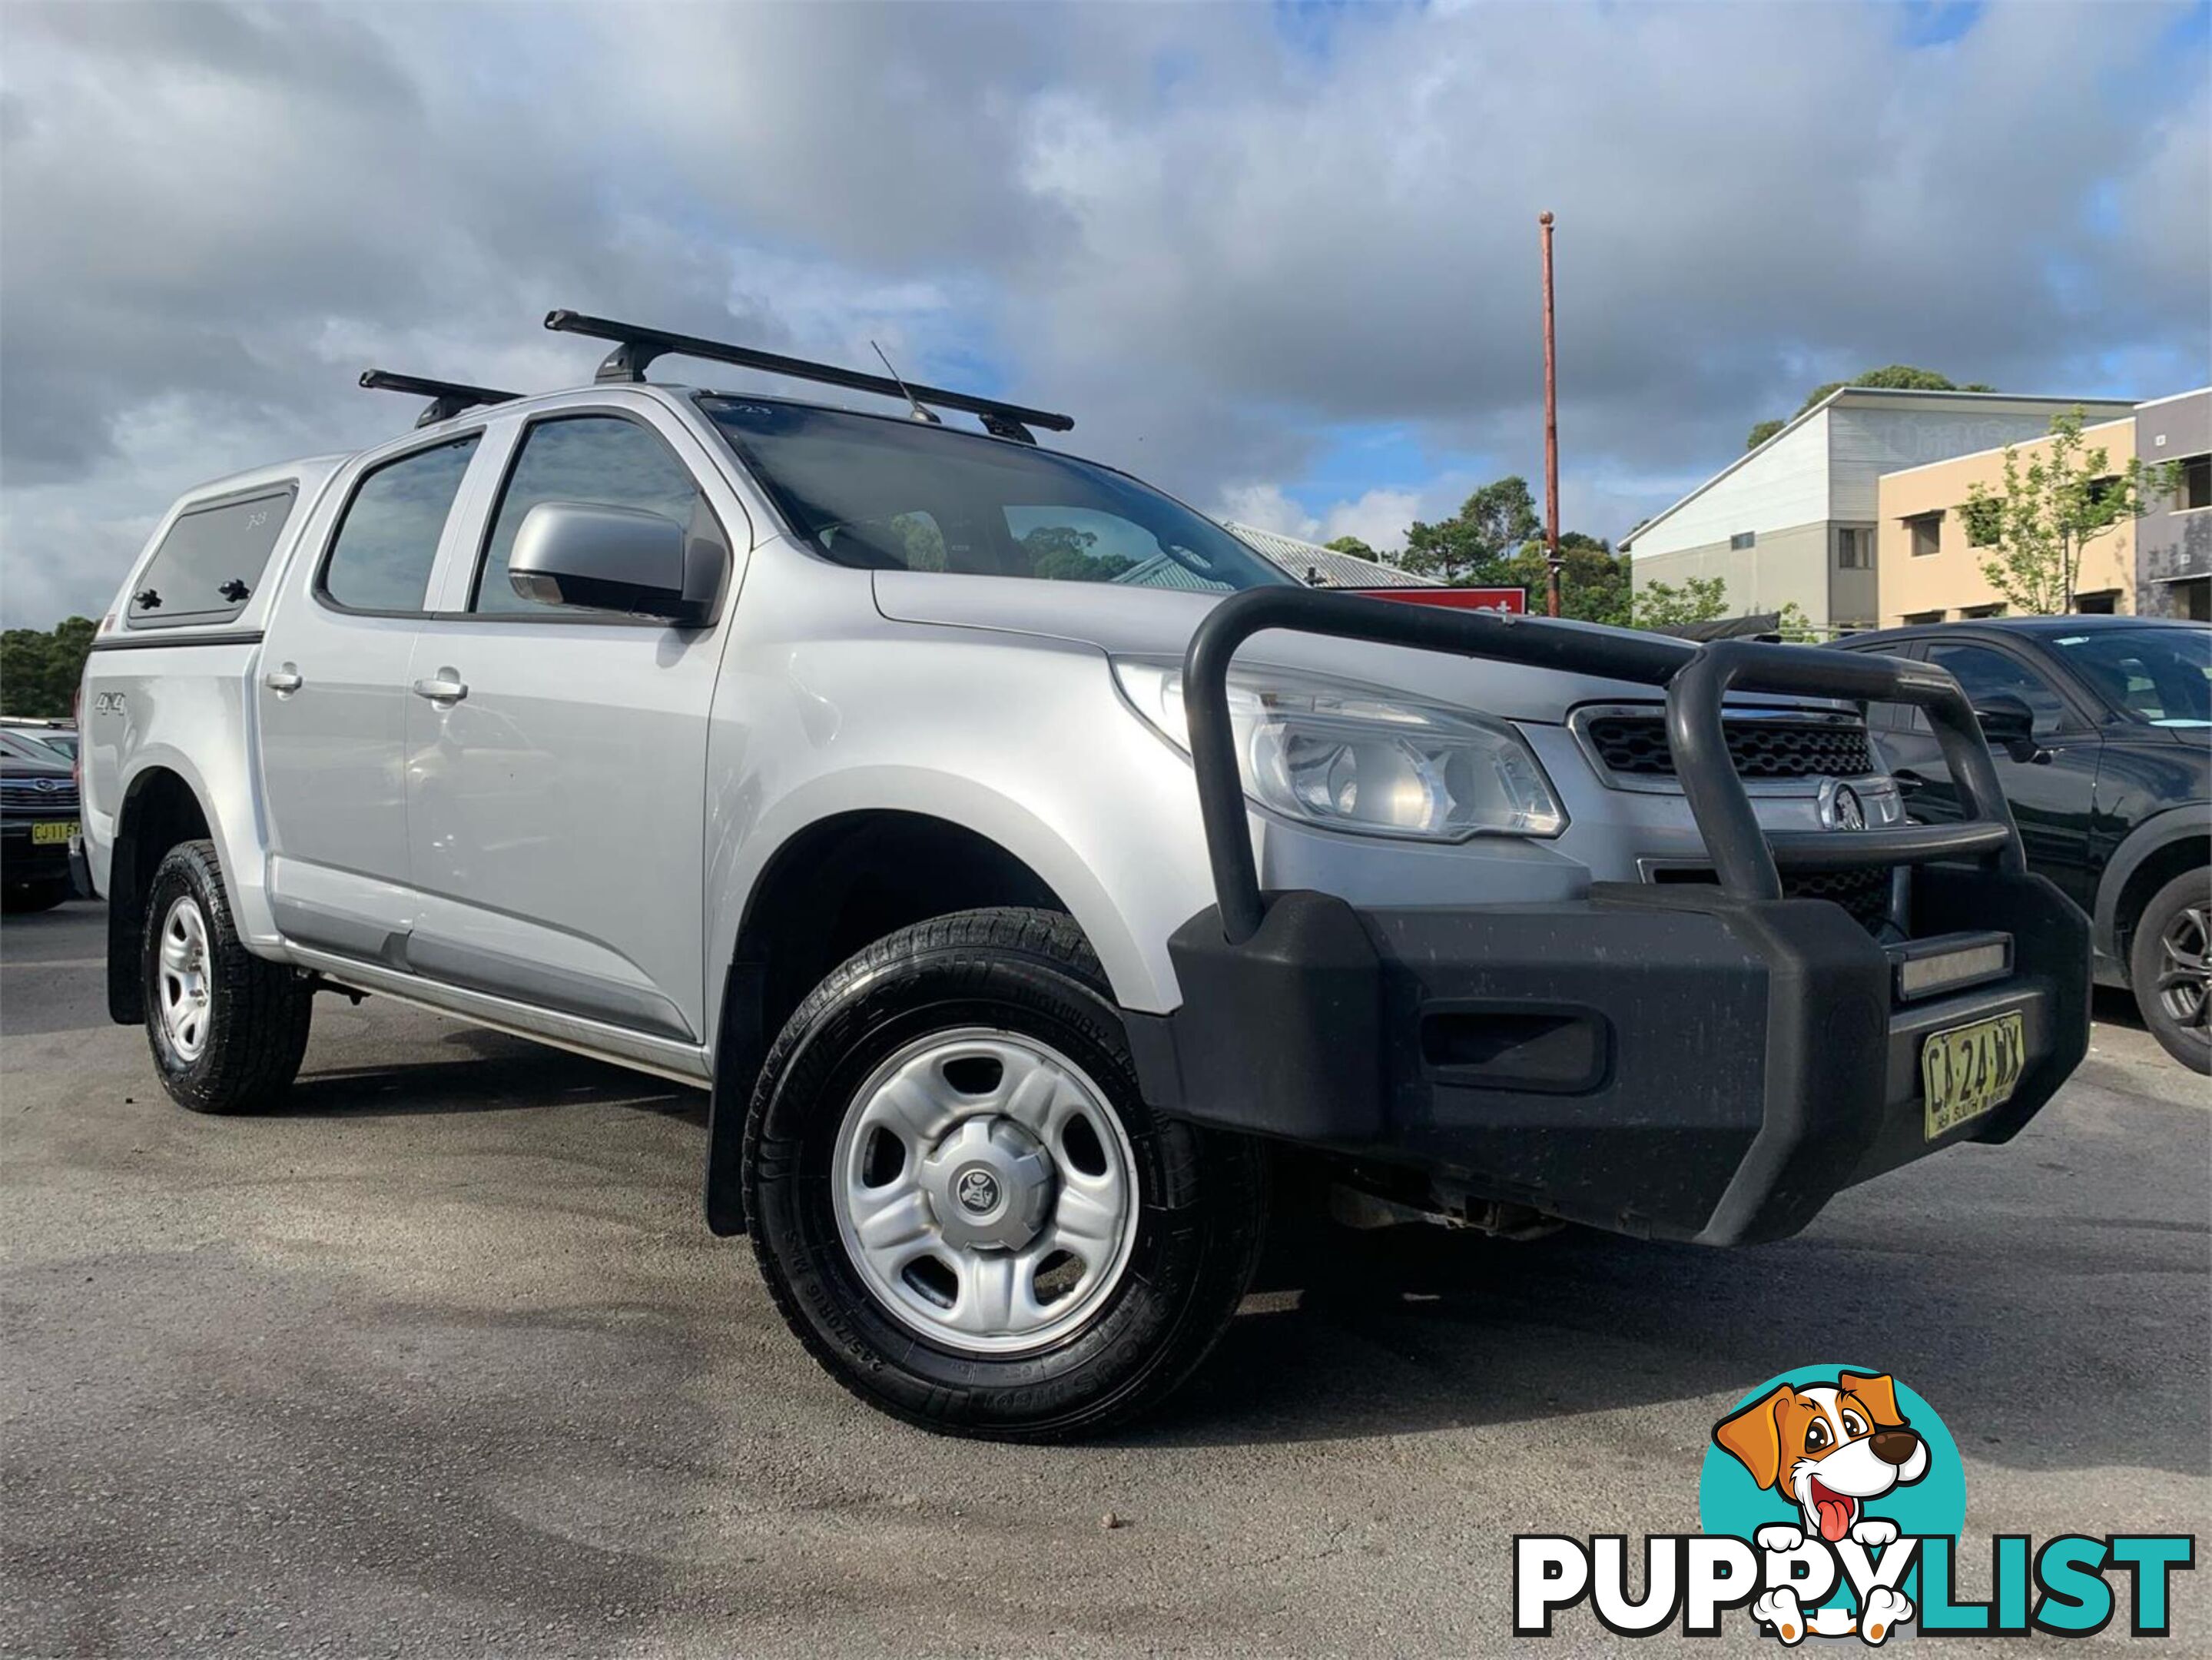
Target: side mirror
(624,559)
(2009,724)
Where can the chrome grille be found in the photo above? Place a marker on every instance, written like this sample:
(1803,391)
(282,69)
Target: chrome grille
(1635,745)
(25,796)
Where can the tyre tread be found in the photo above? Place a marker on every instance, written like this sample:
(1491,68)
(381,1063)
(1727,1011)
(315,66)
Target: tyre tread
(1232,1181)
(263,1009)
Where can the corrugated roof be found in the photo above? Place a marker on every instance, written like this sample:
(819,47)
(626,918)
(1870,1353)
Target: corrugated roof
(1161,572)
(1307,560)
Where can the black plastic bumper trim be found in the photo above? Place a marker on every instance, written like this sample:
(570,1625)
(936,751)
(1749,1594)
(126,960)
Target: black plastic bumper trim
(1717,1068)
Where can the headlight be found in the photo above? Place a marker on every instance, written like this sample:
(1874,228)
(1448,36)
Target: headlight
(1356,758)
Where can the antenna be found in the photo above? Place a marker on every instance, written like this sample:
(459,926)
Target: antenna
(912,403)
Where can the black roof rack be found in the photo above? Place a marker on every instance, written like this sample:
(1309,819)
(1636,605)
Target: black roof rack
(636,347)
(448,398)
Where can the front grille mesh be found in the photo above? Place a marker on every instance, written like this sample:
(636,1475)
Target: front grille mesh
(1864,893)
(1635,745)
(22,795)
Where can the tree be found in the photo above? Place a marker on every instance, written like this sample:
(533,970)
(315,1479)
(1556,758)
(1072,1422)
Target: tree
(1593,578)
(1465,549)
(1355,547)
(1895,376)
(40,669)
(2047,511)
(1794,626)
(1700,599)
(1060,553)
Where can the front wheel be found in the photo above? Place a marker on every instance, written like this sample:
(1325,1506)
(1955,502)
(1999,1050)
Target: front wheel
(227,1029)
(2170,970)
(961,1203)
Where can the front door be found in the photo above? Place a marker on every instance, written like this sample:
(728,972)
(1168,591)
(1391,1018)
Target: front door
(556,760)
(332,706)
(2050,795)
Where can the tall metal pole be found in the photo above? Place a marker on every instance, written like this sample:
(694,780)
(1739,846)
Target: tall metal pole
(1551,435)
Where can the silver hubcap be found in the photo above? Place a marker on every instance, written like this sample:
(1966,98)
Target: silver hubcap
(2185,977)
(187,998)
(985,1191)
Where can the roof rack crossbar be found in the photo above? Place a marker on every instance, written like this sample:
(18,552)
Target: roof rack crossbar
(636,347)
(447,398)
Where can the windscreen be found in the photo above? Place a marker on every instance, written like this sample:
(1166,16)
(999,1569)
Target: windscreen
(887,494)
(210,561)
(2163,676)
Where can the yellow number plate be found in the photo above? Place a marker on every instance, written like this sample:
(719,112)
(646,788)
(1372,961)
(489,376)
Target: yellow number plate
(45,835)
(1969,1070)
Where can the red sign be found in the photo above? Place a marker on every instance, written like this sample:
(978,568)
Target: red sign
(1515,601)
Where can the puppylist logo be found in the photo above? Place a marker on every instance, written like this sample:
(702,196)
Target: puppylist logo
(1831,1500)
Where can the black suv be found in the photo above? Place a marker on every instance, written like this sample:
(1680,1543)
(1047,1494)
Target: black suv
(2102,731)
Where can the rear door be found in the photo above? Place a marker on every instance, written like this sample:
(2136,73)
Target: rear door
(333,702)
(556,758)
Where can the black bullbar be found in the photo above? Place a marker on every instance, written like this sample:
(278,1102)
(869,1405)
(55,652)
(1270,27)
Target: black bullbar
(1702,1061)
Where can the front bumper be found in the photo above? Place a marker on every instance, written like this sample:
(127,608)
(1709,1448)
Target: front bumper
(22,859)
(1665,1060)
(1709,1062)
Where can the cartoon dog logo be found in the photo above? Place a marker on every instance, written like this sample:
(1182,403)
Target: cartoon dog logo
(1829,1449)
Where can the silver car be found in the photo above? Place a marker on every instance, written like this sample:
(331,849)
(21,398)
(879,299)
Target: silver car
(1027,867)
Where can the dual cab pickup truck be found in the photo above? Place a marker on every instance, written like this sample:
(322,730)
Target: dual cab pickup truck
(1022,863)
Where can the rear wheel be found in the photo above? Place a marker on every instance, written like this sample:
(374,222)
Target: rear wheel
(2171,971)
(961,1203)
(227,1028)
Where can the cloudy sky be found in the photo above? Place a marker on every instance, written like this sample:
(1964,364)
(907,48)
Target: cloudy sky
(1280,259)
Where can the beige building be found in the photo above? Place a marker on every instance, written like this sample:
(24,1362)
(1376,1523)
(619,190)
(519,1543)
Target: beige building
(1794,522)
(1926,568)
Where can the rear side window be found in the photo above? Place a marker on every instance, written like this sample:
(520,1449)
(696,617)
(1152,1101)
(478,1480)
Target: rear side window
(600,460)
(211,563)
(381,557)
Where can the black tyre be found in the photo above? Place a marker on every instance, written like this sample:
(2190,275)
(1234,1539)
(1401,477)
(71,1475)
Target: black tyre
(961,1203)
(21,898)
(227,1028)
(2169,969)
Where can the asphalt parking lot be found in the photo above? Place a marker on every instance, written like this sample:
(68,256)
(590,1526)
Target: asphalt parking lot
(443,1361)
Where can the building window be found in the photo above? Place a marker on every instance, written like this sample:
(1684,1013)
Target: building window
(1854,550)
(2192,599)
(1926,530)
(2195,489)
(1985,522)
(2103,603)
(1912,618)
(1970,612)
(1742,540)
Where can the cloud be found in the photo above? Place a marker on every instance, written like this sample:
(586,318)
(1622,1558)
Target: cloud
(1378,517)
(1217,235)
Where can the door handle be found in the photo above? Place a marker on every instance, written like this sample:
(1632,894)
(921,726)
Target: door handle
(445,686)
(1908,781)
(284,681)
